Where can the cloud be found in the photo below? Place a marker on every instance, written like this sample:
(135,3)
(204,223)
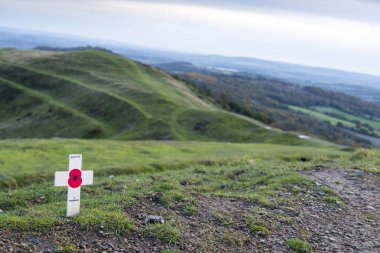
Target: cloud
(272,29)
(360,10)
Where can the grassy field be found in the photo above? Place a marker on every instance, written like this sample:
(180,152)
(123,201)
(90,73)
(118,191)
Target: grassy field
(176,174)
(372,122)
(29,161)
(98,95)
(321,116)
(347,120)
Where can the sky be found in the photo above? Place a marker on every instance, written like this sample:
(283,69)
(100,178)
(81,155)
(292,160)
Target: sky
(341,34)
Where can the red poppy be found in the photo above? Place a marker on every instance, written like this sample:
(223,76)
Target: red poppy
(75,178)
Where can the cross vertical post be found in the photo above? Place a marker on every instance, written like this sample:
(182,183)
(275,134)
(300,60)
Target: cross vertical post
(74,178)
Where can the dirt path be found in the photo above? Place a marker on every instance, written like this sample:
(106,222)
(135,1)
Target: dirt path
(353,226)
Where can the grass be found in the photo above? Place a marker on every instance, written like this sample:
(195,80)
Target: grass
(190,210)
(332,200)
(25,162)
(109,220)
(328,191)
(208,126)
(346,119)
(299,246)
(168,251)
(324,117)
(372,122)
(258,226)
(260,229)
(67,249)
(260,173)
(255,173)
(98,95)
(166,232)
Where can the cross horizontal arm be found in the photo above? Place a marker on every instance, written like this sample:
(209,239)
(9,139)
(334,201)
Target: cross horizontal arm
(61,178)
(87,177)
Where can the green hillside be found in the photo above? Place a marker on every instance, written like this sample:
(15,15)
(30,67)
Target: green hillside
(268,101)
(97,94)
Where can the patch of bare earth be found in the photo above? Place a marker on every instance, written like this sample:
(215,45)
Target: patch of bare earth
(80,240)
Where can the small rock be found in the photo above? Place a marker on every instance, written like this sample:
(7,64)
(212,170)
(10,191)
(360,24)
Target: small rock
(279,211)
(260,233)
(1,211)
(154,219)
(358,173)
(111,176)
(371,208)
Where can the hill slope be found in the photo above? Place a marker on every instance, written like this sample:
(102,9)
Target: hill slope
(96,94)
(271,102)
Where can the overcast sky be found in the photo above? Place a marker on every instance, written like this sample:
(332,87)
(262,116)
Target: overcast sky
(343,34)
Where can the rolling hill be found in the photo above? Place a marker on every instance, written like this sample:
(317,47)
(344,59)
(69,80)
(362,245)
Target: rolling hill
(96,94)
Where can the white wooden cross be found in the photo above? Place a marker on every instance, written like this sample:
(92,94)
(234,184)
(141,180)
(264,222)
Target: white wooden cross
(73,179)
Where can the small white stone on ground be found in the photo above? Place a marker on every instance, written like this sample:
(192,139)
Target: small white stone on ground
(371,208)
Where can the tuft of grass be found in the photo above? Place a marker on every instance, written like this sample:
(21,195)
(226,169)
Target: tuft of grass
(258,226)
(166,232)
(67,249)
(190,210)
(332,200)
(168,251)
(110,220)
(262,231)
(172,197)
(328,190)
(299,246)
